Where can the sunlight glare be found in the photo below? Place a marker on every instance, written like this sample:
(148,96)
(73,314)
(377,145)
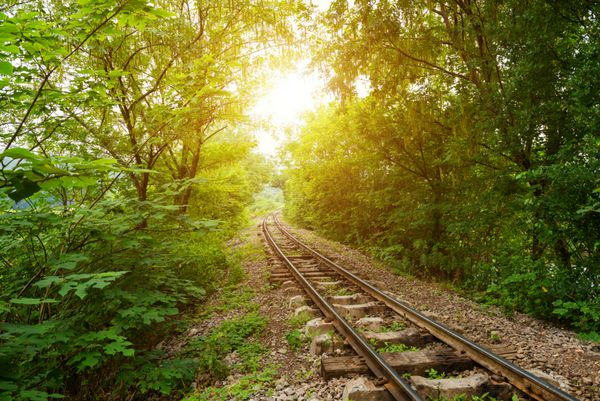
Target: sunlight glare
(290,96)
(285,100)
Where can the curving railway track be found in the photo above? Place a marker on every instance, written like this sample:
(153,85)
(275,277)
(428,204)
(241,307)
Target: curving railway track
(316,274)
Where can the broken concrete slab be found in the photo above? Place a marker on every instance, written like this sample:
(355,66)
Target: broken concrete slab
(314,312)
(318,326)
(371,323)
(297,301)
(450,388)
(327,284)
(321,344)
(316,275)
(350,299)
(415,363)
(363,389)
(410,337)
(355,312)
(288,284)
(554,379)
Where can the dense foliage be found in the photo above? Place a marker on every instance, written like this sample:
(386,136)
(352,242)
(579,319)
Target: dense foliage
(475,156)
(125,165)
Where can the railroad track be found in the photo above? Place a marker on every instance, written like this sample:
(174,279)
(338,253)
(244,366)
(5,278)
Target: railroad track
(363,306)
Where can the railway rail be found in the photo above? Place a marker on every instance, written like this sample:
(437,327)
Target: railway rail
(283,244)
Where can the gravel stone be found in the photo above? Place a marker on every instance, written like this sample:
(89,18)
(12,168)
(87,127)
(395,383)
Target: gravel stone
(537,343)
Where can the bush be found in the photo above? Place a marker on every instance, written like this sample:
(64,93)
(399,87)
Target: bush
(85,290)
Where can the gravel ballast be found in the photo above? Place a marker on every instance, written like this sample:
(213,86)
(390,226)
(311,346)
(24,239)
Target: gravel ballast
(540,346)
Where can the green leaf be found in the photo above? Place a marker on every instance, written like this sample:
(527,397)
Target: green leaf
(6,68)
(10,49)
(77,181)
(33,395)
(23,188)
(18,153)
(51,184)
(47,168)
(86,359)
(66,288)
(4,307)
(119,346)
(158,314)
(96,280)
(81,291)
(48,281)
(69,261)
(80,276)
(6,385)
(33,301)
(103,164)
(161,13)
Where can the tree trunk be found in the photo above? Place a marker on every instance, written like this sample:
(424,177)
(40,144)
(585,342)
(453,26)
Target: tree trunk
(189,173)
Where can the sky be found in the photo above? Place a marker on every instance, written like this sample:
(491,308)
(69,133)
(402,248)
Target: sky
(286,98)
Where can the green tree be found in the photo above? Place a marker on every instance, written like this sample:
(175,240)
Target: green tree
(97,263)
(485,133)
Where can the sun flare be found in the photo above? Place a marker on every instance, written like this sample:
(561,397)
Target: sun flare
(288,97)
(284,101)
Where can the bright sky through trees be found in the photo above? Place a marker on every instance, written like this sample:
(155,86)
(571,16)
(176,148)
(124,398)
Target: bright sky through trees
(285,99)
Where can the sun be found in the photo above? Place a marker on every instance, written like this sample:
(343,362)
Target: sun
(287,96)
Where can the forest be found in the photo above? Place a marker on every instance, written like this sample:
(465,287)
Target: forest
(459,142)
(474,158)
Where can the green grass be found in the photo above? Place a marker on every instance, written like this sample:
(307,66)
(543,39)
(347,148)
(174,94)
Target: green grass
(336,291)
(254,252)
(394,326)
(300,319)
(231,335)
(434,374)
(232,297)
(396,348)
(591,336)
(242,389)
(295,339)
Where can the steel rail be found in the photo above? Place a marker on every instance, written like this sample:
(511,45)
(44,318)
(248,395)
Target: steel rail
(399,388)
(517,376)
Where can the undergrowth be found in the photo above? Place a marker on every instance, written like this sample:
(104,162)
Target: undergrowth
(230,336)
(231,348)
(396,348)
(300,319)
(242,389)
(394,326)
(295,339)
(231,297)
(74,307)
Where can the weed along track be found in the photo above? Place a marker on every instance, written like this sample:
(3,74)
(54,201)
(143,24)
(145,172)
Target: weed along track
(394,351)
